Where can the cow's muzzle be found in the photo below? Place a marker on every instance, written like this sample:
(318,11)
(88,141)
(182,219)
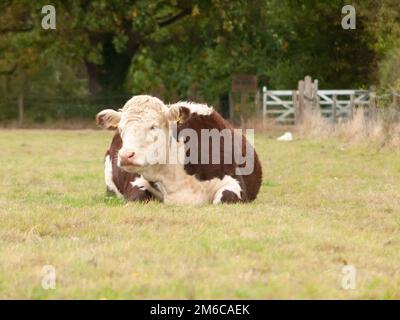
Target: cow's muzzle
(126,158)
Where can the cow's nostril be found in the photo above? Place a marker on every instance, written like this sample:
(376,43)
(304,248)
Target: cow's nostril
(131,155)
(126,157)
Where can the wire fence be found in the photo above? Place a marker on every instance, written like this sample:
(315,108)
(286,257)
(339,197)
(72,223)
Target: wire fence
(42,109)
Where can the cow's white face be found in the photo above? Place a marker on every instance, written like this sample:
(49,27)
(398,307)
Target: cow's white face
(144,137)
(143,124)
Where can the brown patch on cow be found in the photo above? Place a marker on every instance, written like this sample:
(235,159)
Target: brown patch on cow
(250,184)
(184,115)
(229,197)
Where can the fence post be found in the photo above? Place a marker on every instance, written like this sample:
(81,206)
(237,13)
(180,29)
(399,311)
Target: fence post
(334,98)
(300,102)
(372,105)
(396,100)
(308,92)
(257,103)
(21,109)
(316,96)
(352,106)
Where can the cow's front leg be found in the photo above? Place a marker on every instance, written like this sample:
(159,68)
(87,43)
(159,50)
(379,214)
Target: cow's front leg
(159,191)
(142,184)
(229,191)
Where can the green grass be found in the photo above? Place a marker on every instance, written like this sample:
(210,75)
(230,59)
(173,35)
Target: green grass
(322,205)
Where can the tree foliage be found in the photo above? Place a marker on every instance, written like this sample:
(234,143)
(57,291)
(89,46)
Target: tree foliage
(179,46)
(384,26)
(280,41)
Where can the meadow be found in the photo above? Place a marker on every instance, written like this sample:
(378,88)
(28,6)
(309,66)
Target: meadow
(323,205)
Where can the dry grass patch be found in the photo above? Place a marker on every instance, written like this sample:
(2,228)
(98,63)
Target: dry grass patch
(321,205)
(383,130)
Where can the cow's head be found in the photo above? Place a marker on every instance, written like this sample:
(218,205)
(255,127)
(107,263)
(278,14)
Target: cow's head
(143,124)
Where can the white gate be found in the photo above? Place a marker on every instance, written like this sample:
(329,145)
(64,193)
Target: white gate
(341,103)
(280,106)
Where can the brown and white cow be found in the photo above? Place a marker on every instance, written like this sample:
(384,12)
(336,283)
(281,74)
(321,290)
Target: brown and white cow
(217,170)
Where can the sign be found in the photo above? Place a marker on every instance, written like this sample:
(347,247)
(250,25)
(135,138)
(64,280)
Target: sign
(244,83)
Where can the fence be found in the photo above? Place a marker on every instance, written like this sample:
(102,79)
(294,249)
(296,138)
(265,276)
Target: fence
(40,109)
(288,107)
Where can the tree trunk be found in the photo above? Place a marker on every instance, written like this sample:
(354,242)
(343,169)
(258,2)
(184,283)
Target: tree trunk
(111,74)
(93,75)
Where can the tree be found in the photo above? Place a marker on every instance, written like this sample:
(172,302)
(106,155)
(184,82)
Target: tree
(279,41)
(106,35)
(175,44)
(383,23)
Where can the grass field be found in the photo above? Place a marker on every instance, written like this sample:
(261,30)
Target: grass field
(322,205)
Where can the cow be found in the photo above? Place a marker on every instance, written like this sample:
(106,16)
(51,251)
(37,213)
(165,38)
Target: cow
(157,140)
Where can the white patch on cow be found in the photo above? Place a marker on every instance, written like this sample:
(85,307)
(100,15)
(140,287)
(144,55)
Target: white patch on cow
(143,185)
(140,183)
(108,177)
(178,187)
(229,184)
(201,109)
(142,101)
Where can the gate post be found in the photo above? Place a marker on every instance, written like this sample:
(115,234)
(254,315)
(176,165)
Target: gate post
(334,105)
(316,96)
(352,106)
(300,102)
(264,102)
(295,99)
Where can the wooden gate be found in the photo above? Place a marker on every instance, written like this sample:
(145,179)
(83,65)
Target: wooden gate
(278,104)
(337,104)
(287,107)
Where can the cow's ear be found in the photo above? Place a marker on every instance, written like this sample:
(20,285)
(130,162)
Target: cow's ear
(178,113)
(108,118)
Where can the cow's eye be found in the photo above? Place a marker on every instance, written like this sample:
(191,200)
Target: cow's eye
(153,127)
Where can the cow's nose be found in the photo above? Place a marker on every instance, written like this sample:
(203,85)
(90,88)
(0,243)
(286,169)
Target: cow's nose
(126,157)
